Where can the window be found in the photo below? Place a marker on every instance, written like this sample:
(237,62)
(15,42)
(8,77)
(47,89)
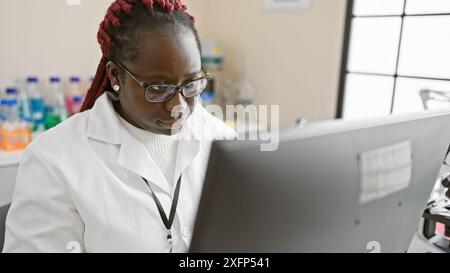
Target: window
(394,49)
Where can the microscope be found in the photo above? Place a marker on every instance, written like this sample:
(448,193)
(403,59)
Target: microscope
(427,94)
(438,209)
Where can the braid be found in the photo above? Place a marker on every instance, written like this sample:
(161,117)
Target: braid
(116,31)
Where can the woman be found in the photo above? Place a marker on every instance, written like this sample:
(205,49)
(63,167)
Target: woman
(125,175)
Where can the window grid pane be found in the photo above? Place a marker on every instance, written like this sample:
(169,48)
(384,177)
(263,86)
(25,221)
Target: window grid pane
(427,6)
(408,98)
(367,96)
(374,45)
(378,7)
(425,47)
(418,65)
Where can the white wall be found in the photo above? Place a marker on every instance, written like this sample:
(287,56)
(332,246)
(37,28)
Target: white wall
(46,37)
(293,58)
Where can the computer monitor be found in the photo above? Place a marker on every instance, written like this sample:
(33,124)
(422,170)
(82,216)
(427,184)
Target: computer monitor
(337,186)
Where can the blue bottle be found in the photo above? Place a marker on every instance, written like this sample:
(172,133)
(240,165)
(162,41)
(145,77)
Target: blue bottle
(37,104)
(10,94)
(24,106)
(3,103)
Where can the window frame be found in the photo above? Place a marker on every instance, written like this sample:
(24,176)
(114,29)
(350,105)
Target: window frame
(344,71)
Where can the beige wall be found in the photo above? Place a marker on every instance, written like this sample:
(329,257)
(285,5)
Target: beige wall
(49,37)
(293,58)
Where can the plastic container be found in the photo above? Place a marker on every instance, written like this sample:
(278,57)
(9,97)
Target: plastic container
(10,93)
(24,104)
(53,88)
(207,98)
(56,110)
(73,91)
(77,102)
(245,92)
(2,108)
(37,104)
(14,134)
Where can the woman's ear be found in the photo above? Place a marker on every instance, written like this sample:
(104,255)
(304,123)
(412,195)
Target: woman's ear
(113,73)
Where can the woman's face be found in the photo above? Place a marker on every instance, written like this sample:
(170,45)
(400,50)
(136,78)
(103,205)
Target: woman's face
(164,58)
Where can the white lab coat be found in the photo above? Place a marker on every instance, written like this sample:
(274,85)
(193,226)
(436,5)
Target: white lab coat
(79,187)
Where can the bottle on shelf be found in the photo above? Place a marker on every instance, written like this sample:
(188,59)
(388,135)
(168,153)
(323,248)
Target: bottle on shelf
(2,109)
(77,102)
(56,112)
(48,95)
(10,93)
(2,104)
(37,105)
(24,106)
(73,95)
(14,133)
(2,114)
(2,123)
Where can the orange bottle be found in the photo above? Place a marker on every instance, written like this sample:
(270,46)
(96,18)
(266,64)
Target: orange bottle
(14,134)
(14,137)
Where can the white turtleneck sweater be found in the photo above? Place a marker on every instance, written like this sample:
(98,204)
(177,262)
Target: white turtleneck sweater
(162,148)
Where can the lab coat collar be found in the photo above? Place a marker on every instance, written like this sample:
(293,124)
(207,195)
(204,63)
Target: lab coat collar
(104,125)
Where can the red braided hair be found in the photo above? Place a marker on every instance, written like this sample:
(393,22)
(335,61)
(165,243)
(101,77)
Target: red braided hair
(101,81)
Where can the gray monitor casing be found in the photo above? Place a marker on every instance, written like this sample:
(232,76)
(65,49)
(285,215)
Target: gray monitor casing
(303,197)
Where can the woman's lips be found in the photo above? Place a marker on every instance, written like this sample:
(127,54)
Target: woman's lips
(171,124)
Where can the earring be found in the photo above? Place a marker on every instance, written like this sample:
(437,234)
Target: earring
(116,88)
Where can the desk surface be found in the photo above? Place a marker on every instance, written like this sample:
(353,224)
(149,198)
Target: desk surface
(9,158)
(9,163)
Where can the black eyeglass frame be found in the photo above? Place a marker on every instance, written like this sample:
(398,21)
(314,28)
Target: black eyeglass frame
(176,88)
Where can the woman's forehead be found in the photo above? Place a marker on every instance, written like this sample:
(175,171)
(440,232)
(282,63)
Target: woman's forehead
(168,55)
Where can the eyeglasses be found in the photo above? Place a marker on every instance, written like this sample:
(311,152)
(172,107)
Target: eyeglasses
(164,92)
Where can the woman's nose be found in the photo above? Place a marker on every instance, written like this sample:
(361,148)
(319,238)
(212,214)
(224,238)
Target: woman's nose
(177,105)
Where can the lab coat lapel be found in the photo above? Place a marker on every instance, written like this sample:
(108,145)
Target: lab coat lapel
(104,125)
(135,157)
(188,148)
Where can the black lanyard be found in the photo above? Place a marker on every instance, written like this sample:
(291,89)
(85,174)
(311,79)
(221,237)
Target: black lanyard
(167,222)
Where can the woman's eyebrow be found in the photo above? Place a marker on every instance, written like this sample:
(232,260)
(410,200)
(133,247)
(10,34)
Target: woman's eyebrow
(165,77)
